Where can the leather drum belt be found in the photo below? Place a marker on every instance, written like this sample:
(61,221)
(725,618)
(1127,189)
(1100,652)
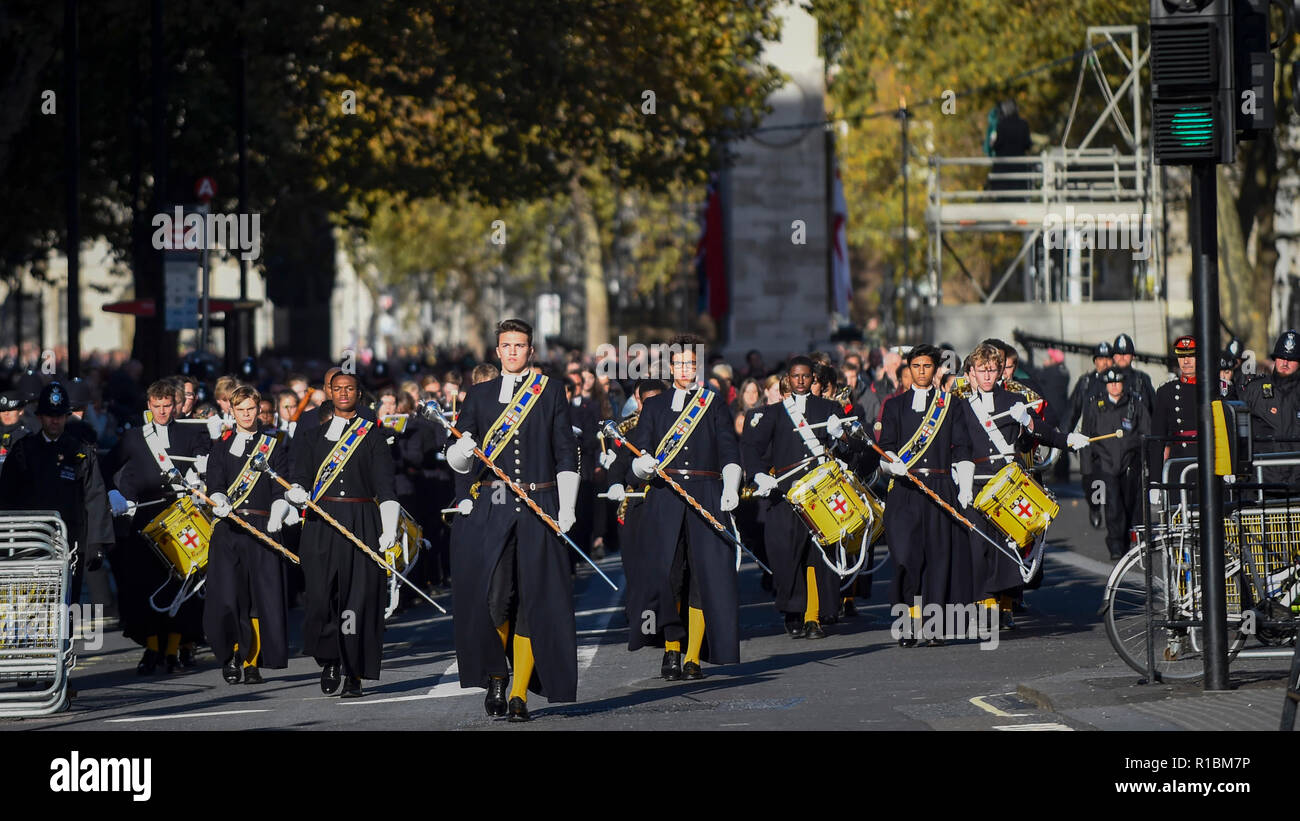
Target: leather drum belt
(711,474)
(524,485)
(353,499)
(248,511)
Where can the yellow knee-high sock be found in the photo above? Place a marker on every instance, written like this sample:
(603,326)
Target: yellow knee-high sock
(673,645)
(810,612)
(251,661)
(503,630)
(173,643)
(695,635)
(523,667)
(151,643)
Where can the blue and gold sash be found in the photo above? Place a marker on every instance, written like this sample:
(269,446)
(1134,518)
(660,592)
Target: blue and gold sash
(924,436)
(339,456)
(507,424)
(687,421)
(239,489)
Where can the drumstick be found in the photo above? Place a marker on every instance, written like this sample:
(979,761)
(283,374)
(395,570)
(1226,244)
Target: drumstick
(260,463)
(274,545)
(631,494)
(612,432)
(1035,403)
(1119,434)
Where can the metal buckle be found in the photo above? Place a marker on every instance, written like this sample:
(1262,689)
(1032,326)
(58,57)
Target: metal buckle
(532,486)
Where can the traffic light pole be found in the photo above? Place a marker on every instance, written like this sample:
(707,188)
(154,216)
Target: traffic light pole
(1205,289)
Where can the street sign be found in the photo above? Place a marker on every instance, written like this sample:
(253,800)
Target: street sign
(181,286)
(205,189)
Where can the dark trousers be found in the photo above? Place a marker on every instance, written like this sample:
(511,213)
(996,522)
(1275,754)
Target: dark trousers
(1123,495)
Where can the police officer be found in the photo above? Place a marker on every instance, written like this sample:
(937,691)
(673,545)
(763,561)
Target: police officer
(1274,403)
(54,470)
(1229,386)
(12,426)
(1137,382)
(1174,419)
(1087,389)
(1115,462)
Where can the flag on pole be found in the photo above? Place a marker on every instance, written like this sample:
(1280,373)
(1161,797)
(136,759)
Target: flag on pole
(841,283)
(710,267)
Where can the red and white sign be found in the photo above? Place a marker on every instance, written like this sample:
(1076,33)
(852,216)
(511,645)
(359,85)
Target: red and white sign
(205,189)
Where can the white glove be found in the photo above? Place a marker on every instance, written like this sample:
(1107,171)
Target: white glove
(389,513)
(607,458)
(1077,441)
(567,482)
(644,466)
(465,507)
(834,426)
(1154,496)
(1020,413)
(963,475)
(220,505)
(117,503)
(280,511)
(192,479)
(461,453)
(296,496)
(731,476)
(893,465)
(766,484)
(201,463)
(214,427)
(616,493)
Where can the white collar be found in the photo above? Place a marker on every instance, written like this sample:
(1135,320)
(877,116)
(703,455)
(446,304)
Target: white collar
(680,394)
(335,430)
(919,397)
(241,438)
(509,383)
(801,401)
(161,432)
(47,437)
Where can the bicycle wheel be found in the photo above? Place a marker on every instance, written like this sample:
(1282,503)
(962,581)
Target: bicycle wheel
(1179,652)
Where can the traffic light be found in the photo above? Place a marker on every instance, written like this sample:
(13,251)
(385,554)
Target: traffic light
(1253,69)
(1193,105)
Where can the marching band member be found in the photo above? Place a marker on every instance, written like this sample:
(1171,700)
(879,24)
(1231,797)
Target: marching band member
(344,466)
(637,552)
(920,435)
(511,579)
(144,460)
(245,613)
(688,431)
(775,443)
(994,443)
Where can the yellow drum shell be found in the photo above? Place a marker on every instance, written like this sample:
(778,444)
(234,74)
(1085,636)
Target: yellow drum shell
(403,552)
(181,535)
(836,506)
(1017,505)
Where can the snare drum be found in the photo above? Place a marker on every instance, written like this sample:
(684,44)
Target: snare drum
(1017,505)
(180,535)
(836,506)
(406,549)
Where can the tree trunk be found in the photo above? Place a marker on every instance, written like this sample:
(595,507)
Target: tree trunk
(1243,301)
(593,273)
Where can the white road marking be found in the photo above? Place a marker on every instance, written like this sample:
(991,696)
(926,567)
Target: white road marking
(182,715)
(979,702)
(1082,562)
(1047,726)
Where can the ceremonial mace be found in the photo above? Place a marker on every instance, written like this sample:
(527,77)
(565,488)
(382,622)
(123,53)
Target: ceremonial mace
(432,411)
(262,466)
(611,431)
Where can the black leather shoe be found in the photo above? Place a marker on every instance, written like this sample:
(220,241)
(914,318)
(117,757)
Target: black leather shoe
(173,664)
(813,630)
(252,675)
(935,643)
(495,702)
(691,671)
(671,669)
(1094,518)
(148,663)
(186,657)
(850,609)
(906,642)
(518,710)
(1006,621)
(230,671)
(352,688)
(794,626)
(330,678)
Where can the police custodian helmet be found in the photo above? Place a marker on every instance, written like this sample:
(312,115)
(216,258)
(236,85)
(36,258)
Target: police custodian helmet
(53,401)
(1288,346)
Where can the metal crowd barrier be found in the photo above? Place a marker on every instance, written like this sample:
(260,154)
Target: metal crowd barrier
(36,655)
